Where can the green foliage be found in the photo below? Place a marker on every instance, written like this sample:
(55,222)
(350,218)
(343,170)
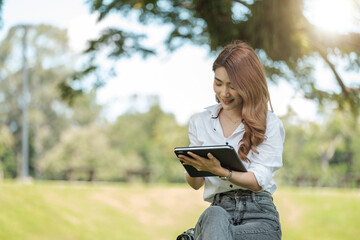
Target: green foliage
(287,43)
(321,154)
(47,56)
(49,62)
(7,153)
(85,110)
(152,136)
(82,147)
(135,141)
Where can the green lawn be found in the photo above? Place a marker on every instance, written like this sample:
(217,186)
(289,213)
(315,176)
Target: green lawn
(321,214)
(75,211)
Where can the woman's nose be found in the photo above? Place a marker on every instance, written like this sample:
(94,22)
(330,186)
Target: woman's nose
(225,92)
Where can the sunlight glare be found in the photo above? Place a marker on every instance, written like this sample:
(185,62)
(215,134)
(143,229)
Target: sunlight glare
(331,15)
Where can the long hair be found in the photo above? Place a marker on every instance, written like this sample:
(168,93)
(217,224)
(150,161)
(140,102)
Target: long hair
(247,75)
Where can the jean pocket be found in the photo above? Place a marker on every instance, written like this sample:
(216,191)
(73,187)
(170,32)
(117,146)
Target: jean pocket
(265,205)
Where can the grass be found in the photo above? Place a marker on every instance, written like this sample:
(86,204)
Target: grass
(79,211)
(322,214)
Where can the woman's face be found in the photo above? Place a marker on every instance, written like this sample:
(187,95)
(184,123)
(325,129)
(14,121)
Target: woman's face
(225,92)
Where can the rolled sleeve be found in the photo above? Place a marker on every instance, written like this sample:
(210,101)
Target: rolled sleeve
(263,174)
(269,159)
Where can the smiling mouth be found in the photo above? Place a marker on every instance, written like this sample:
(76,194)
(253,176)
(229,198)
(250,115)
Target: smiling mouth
(227,102)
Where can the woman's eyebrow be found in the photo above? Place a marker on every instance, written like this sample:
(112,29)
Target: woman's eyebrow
(228,83)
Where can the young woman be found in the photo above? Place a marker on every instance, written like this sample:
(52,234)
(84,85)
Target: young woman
(241,202)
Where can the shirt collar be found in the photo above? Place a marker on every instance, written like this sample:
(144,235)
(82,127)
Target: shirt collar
(214,110)
(214,114)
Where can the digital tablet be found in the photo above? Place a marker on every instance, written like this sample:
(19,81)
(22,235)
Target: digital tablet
(226,154)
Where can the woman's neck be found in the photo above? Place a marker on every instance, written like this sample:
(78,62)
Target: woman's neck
(234,114)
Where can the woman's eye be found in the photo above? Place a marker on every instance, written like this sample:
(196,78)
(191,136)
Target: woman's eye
(218,84)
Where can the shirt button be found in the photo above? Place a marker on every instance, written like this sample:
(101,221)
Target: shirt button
(231,185)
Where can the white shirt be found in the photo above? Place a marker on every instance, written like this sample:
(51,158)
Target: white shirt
(205,129)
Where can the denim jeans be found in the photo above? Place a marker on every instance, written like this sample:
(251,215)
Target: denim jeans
(239,214)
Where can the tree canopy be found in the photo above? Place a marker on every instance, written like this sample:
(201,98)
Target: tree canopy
(286,41)
(49,62)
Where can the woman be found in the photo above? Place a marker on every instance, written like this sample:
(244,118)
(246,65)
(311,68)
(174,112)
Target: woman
(241,202)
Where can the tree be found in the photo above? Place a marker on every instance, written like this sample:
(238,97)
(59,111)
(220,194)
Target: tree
(151,136)
(322,154)
(135,141)
(7,153)
(346,153)
(84,147)
(286,41)
(49,63)
(300,155)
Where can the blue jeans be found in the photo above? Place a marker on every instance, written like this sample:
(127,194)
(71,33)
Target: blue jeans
(239,214)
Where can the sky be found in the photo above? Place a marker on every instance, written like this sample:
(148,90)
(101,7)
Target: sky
(182,79)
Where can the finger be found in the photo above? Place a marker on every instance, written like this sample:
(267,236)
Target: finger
(186,160)
(212,157)
(195,156)
(190,164)
(182,160)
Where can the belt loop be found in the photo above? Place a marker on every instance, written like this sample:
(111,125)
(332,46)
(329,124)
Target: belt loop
(253,196)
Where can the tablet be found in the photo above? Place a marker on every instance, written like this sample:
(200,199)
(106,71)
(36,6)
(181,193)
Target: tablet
(226,154)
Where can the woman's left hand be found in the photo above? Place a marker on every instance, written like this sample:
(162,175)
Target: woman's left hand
(210,164)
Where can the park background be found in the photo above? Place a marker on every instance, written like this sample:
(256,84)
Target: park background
(101,118)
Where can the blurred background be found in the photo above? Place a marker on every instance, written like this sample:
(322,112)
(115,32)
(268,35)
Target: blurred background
(95,94)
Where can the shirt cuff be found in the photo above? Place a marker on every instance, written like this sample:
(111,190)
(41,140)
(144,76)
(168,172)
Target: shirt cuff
(262,174)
